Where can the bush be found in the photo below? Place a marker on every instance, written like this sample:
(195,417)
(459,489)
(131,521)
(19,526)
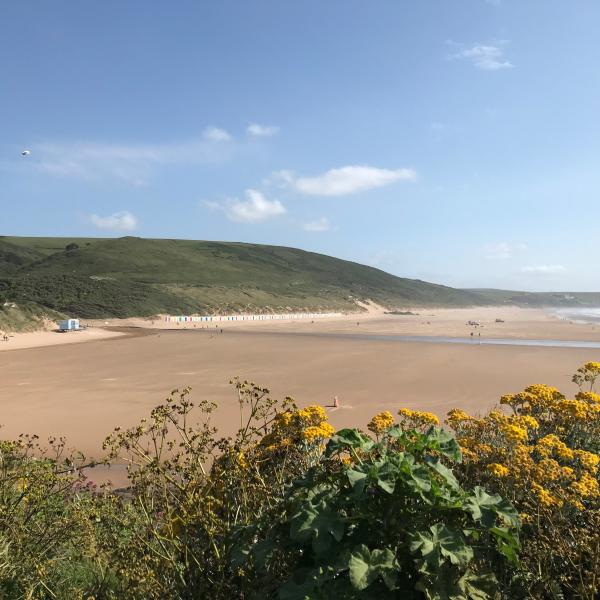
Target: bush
(543,457)
(381,519)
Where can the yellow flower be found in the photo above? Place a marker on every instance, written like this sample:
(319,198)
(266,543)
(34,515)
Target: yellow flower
(497,470)
(318,432)
(588,460)
(417,418)
(567,472)
(574,408)
(544,497)
(587,486)
(544,393)
(456,415)
(546,445)
(548,469)
(589,397)
(514,433)
(381,422)
(527,421)
(428,418)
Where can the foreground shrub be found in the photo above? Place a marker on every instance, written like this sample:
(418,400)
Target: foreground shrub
(287,508)
(381,519)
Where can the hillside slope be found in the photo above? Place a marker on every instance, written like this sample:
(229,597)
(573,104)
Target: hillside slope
(134,277)
(538,299)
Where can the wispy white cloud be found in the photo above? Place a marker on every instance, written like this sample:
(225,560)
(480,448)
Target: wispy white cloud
(502,250)
(544,269)
(256,130)
(132,163)
(119,221)
(484,57)
(215,134)
(345,180)
(318,226)
(255,208)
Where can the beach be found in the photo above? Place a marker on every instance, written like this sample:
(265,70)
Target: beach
(83,390)
(38,339)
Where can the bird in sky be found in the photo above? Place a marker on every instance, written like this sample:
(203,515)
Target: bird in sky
(25,153)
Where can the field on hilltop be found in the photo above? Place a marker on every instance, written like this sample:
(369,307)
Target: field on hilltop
(100,277)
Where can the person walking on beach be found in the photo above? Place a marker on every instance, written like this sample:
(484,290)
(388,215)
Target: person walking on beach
(336,402)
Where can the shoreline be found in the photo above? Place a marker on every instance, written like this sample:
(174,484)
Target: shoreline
(497,323)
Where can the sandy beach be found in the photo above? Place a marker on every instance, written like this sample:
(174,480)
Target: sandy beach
(37,339)
(502,322)
(83,390)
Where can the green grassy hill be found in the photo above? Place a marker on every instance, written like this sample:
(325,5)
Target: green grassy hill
(538,299)
(138,277)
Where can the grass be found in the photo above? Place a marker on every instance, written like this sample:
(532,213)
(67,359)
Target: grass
(535,299)
(27,317)
(140,277)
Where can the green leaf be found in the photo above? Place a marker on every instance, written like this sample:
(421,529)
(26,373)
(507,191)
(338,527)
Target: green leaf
(346,439)
(443,442)
(443,470)
(358,566)
(508,543)
(386,483)
(387,475)
(319,524)
(365,566)
(442,584)
(441,543)
(419,478)
(302,584)
(357,480)
(479,586)
(486,507)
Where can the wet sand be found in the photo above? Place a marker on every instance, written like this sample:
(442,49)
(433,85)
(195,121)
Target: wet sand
(82,391)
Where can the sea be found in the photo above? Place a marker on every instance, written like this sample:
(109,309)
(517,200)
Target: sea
(579,315)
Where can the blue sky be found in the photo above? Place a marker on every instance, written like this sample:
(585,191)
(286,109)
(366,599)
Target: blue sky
(456,142)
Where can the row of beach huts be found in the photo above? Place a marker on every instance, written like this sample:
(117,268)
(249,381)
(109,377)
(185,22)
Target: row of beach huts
(264,317)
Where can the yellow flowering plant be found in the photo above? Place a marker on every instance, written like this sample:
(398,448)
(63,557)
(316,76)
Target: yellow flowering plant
(543,455)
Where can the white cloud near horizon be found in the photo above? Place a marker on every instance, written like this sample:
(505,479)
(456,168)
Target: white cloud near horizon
(215,134)
(502,250)
(347,180)
(119,221)
(318,226)
(257,130)
(485,57)
(256,208)
(133,163)
(544,269)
